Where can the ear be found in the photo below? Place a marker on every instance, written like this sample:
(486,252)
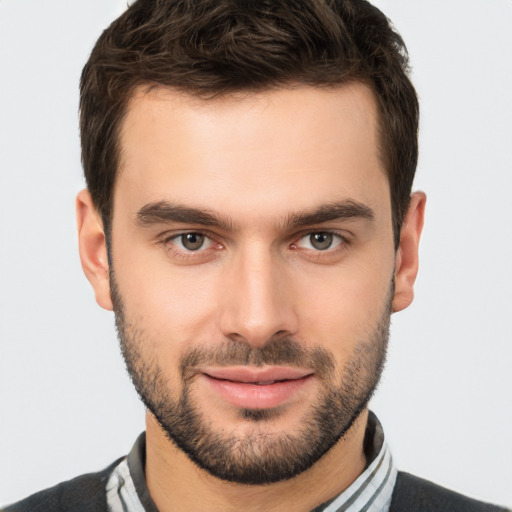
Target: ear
(406,263)
(93,248)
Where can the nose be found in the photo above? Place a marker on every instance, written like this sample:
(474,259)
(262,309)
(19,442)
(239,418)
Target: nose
(257,299)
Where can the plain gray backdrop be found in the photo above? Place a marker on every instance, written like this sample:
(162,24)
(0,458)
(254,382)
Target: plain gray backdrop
(67,406)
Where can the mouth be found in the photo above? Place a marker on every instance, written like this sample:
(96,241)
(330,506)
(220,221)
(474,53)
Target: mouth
(257,388)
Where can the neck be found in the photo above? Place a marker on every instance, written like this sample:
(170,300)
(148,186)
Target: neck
(178,484)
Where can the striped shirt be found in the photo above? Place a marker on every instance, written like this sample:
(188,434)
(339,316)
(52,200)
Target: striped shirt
(371,491)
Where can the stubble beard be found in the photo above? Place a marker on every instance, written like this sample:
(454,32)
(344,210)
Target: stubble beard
(256,457)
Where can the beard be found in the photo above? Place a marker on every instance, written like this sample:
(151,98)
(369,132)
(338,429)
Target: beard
(257,456)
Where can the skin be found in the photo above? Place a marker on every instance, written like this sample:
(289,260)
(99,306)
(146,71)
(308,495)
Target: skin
(255,160)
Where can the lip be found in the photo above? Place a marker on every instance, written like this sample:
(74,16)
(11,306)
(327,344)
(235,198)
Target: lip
(257,388)
(255,375)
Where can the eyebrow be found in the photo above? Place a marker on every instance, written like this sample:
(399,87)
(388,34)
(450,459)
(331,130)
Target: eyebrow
(164,211)
(347,210)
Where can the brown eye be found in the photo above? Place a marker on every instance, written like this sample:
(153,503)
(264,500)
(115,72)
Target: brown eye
(192,241)
(321,241)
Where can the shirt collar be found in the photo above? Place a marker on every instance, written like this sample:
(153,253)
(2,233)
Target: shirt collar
(373,488)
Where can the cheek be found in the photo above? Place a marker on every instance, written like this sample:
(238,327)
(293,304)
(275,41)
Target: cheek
(344,308)
(174,307)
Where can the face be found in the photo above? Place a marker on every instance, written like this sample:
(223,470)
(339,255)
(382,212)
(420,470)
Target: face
(252,271)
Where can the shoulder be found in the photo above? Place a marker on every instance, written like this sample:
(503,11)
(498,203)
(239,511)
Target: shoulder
(85,493)
(415,494)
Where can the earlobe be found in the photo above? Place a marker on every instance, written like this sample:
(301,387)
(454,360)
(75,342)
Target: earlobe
(406,263)
(93,248)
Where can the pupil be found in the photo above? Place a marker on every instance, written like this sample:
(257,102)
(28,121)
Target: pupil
(321,241)
(193,241)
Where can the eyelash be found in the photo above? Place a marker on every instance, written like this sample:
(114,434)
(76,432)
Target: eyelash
(167,242)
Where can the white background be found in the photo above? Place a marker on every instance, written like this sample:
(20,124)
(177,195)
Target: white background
(67,406)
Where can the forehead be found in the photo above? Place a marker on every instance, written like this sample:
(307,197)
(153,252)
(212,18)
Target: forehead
(267,150)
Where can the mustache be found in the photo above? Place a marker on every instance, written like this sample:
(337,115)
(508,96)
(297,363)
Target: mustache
(285,352)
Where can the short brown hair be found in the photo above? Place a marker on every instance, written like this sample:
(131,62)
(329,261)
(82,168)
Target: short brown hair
(210,48)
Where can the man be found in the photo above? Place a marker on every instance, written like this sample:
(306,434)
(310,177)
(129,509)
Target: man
(249,219)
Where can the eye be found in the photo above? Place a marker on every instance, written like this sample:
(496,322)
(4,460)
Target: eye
(191,241)
(320,241)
